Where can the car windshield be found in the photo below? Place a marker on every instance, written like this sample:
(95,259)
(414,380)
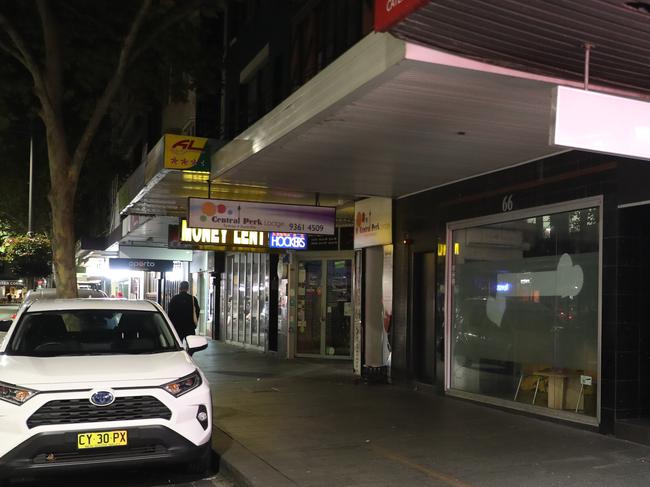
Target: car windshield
(91,332)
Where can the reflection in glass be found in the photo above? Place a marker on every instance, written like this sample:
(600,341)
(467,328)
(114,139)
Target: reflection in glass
(525,310)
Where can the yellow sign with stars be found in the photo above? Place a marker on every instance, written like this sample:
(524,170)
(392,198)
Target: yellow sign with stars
(186,153)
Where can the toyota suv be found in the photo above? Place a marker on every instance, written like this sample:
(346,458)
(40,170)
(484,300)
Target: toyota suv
(88,382)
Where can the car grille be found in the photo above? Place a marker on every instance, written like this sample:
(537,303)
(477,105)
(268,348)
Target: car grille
(72,411)
(99,454)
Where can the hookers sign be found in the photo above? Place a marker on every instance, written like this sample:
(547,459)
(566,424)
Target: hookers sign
(148,265)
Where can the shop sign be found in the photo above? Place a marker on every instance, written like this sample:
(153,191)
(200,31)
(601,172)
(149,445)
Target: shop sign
(289,241)
(147,265)
(323,242)
(10,282)
(186,153)
(390,12)
(251,215)
(373,222)
(602,123)
(215,239)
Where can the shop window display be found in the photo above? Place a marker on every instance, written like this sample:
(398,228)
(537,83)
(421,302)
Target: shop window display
(524,323)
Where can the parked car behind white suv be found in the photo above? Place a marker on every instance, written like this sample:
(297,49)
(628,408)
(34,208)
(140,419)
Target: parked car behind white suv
(87,382)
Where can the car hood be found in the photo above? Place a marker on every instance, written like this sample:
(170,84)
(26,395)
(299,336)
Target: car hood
(88,371)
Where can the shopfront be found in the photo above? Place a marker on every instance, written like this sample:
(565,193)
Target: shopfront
(324,304)
(524,309)
(509,290)
(245,299)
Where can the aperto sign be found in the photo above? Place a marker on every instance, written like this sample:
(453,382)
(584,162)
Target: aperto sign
(147,265)
(258,216)
(289,241)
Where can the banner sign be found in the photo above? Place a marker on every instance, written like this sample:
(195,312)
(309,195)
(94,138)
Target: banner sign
(289,241)
(186,153)
(390,12)
(323,242)
(215,239)
(343,239)
(250,215)
(10,282)
(148,265)
(373,222)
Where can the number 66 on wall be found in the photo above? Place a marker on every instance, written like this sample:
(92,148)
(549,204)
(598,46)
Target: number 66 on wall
(506,203)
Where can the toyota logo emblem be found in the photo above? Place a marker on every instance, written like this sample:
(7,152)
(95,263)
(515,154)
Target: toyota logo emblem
(102,398)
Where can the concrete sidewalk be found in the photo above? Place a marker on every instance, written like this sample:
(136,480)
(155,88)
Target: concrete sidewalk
(305,422)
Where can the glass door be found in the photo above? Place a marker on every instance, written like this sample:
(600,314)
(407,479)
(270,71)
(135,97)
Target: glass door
(324,307)
(310,309)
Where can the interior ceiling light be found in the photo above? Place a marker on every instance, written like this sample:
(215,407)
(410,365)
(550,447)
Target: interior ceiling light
(642,7)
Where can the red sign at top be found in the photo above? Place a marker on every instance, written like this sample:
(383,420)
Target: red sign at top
(389,12)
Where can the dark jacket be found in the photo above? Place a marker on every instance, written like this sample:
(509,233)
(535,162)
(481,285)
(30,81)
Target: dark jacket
(180,312)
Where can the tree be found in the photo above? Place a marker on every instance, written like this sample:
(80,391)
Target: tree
(29,256)
(77,55)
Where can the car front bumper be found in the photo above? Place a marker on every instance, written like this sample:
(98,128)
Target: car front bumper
(57,451)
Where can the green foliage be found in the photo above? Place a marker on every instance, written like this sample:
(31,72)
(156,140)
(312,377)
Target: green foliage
(29,256)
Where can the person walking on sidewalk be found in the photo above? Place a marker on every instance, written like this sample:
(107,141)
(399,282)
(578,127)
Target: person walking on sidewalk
(183,310)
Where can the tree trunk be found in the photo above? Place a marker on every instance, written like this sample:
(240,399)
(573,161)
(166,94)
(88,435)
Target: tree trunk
(63,241)
(62,197)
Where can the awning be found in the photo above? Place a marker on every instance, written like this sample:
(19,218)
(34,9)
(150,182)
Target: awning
(161,185)
(391,118)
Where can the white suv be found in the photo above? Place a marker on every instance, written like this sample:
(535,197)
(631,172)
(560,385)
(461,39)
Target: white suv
(88,382)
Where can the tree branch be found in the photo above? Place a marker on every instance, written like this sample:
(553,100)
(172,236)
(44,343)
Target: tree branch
(27,60)
(13,53)
(26,57)
(53,64)
(106,97)
(172,17)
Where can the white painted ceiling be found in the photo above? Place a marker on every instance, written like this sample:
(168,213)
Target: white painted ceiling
(417,126)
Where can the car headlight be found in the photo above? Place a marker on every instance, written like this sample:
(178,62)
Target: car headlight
(15,394)
(184,384)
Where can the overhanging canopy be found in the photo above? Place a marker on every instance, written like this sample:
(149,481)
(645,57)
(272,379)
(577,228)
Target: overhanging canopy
(391,118)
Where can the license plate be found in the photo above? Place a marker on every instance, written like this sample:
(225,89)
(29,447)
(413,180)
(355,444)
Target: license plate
(101,439)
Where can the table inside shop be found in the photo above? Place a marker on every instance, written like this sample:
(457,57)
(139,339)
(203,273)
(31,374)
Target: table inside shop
(556,388)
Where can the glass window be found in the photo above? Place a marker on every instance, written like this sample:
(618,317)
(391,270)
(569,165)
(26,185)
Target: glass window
(255,306)
(339,307)
(91,332)
(264,297)
(248,298)
(524,323)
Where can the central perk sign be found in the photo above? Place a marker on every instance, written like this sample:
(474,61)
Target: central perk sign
(251,215)
(373,222)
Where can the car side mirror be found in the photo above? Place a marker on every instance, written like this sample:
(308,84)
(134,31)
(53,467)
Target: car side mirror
(6,324)
(195,343)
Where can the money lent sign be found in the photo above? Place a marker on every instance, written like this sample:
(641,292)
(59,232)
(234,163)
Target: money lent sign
(270,217)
